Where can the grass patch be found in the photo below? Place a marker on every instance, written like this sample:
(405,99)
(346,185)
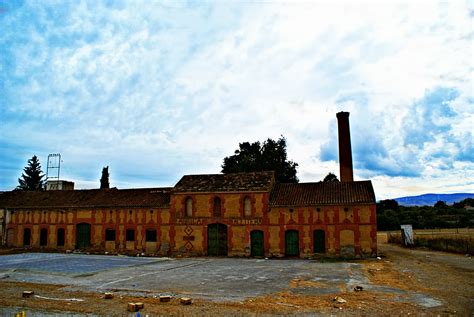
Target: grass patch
(448,242)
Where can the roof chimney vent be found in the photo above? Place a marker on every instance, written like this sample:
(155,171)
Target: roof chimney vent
(345,152)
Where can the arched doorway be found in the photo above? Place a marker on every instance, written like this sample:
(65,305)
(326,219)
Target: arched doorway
(319,241)
(26,237)
(292,243)
(83,235)
(256,243)
(217,239)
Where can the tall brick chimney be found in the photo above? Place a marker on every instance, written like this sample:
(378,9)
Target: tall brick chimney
(345,152)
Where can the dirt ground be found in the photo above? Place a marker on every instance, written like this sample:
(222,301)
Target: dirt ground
(448,278)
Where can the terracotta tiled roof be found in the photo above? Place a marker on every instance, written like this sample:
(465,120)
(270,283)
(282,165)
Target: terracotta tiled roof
(233,182)
(322,193)
(143,197)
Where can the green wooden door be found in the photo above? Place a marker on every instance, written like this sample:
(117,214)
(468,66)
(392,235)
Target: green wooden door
(83,235)
(217,239)
(291,243)
(319,241)
(256,243)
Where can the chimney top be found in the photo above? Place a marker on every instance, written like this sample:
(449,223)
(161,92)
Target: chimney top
(342,114)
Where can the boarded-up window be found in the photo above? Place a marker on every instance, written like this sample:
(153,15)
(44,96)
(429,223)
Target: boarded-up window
(109,234)
(247,207)
(217,207)
(150,235)
(130,235)
(189,207)
(10,238)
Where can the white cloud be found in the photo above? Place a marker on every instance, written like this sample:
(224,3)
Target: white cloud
(167,89)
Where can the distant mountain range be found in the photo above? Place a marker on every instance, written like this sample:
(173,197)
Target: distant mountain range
(431,199)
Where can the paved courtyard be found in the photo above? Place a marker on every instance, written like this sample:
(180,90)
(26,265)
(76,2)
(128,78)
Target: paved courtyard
(212,278)
(217,279)
(405,276)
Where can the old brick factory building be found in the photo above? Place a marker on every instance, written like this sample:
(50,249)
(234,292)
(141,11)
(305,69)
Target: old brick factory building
(242,214)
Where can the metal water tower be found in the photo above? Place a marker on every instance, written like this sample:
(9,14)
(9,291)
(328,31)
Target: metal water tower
(52,171)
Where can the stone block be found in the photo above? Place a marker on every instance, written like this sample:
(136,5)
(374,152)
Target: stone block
(132,307)
(186,301)
(165,298)
(108,295)
(28,293)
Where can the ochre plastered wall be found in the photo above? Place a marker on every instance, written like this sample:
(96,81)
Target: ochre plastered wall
(138,219)
(345,228)
(189,234)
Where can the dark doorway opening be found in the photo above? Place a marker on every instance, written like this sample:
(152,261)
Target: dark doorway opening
(43,237)
(61,239)
(26,237)
(319,245)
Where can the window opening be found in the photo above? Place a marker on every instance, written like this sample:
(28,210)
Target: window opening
(60,237)
(109,234)
(217,207)
(43,237)
(130,235)
(150,235)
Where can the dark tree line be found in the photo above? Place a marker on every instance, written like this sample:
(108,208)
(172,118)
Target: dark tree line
(390,215)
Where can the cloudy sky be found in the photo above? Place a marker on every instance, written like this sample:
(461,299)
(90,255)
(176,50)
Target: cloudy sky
(159,89)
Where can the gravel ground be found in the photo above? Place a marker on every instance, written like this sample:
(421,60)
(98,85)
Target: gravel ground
(403,281)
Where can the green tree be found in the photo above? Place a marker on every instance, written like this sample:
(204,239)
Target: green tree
(387,204)
(331,177)
(104,180)
(440,204)
(467,202)
(32,176)
(257,157)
